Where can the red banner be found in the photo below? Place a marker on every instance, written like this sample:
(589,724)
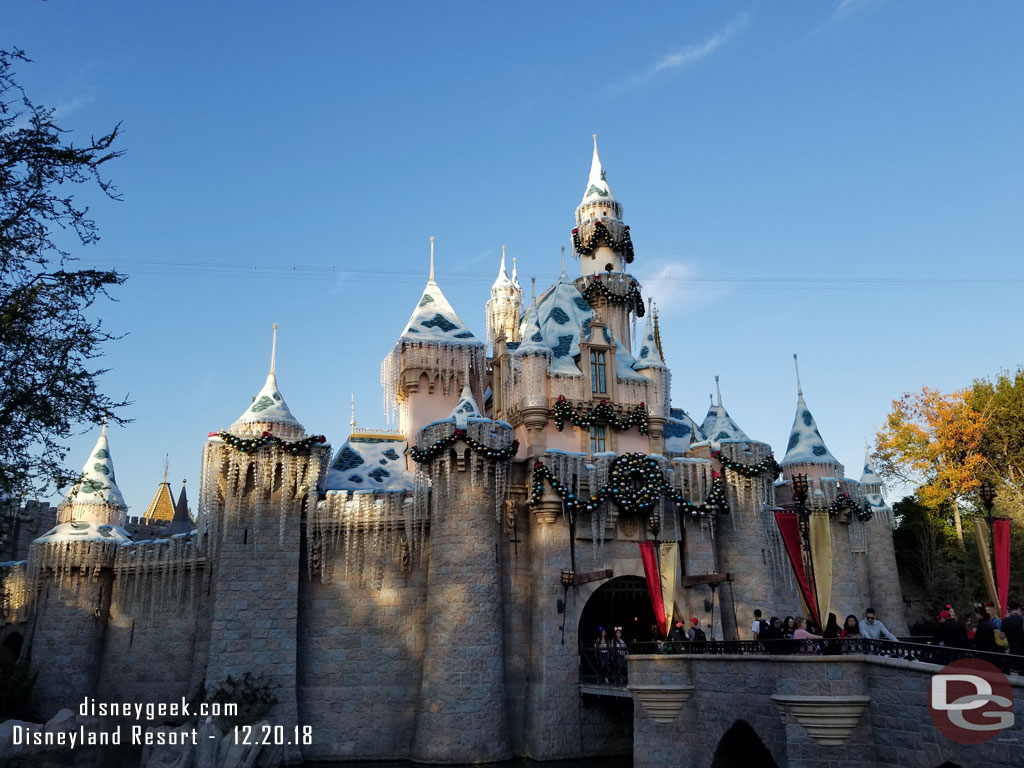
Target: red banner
(789,528)
(1001,552)
(649,557)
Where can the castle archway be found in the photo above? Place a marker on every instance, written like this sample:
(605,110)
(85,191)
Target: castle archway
(741,747)
(620,602)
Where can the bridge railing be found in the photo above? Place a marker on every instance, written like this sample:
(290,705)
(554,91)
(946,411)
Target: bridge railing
(925,653)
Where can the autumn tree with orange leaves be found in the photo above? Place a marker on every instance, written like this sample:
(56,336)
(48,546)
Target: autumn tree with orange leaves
(933,440)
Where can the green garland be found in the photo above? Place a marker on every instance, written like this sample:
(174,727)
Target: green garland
(250,444)
(603,412)
(767,465)
(421,455)
(602,236)
(631,297)
(635,484)
(845,501)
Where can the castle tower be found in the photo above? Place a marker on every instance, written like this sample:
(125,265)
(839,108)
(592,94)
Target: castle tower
(505,306)
(883,576)
(182,521)
(71,568)
(602,242)
(532,358)
(653,368)
(252,495)
(161,507)
(462,716)
(95,498)
(429,363)
(718,425)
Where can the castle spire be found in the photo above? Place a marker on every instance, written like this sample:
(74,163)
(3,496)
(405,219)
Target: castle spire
(718,425)
(806,445)
(504,306)
(796,364)
(95,498)
(515,277)
(431,278)
(268,411)
(650,355)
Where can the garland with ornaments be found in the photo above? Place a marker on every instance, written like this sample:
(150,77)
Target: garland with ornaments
(631,297)
(635,484)
(767,465)
(845,501)
(603,413)
(422,455)
(601,236)
(250,444)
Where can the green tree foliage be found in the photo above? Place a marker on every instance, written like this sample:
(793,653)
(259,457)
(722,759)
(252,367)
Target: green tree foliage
(49,336)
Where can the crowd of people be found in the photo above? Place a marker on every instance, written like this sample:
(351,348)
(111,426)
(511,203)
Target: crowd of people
(797,634)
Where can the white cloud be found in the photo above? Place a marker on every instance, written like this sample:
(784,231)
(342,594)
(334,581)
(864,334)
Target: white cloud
(685,56)
(677,288)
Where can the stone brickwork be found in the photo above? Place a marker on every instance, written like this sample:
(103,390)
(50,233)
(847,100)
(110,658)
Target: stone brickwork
(894,728)
(149,647)
(462,714)
(360,658)
(66,638)
(21,525)
(884,578)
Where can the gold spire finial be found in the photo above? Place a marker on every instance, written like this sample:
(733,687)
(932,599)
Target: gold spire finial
(431,278)
(799,389)
(563,261)
(273,352)
(657,330)
(352,421)
(167,465)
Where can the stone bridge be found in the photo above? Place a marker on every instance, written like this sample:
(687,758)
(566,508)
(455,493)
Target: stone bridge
(799,712)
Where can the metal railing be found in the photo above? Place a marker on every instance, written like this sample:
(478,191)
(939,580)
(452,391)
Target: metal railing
(908,651)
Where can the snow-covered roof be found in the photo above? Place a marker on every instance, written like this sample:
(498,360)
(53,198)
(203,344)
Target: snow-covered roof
(84,531)
(533,338)
(681,431)
(875,501)
(434,319)
(718,425)
(624,363)
(370,462)
(268,407)
(649,356)
(597,185)
(97,485)
(869,477)
(806,446)
(502,281)
(466,408)
(560,314)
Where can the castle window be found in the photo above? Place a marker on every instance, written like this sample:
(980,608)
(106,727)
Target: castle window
(597,438)
(597,373)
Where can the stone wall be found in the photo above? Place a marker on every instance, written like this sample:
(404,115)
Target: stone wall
(149,648)
(66,636)
(360,656)
(894,728)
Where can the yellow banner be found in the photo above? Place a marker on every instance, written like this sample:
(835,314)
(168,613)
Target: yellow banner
(821,561)
(981,538)
(669,576)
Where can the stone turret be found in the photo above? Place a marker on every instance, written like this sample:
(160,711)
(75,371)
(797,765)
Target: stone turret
(650,364)
(505,306)
(462,716)
(602,242)
(72,567)
(430,362)
(253,492)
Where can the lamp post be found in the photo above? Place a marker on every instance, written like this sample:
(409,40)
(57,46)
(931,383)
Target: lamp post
(987,494)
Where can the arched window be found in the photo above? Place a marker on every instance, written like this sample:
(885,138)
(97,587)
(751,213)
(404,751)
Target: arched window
(597,373)
(597,438)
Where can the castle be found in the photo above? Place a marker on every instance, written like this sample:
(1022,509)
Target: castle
(425,593)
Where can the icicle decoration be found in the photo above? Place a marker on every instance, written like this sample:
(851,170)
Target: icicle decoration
(448,360)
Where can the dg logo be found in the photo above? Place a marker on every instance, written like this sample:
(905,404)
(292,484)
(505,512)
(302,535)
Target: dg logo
(971,701)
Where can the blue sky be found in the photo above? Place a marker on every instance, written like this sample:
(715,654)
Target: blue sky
(838,179)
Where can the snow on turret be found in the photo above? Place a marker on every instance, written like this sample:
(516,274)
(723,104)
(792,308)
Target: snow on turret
(504,306)
(466,408)
(370,461)
(649,355)
(95,498)
(597,190)
(806,445)
(269,412)
(718,425)
(869,477)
